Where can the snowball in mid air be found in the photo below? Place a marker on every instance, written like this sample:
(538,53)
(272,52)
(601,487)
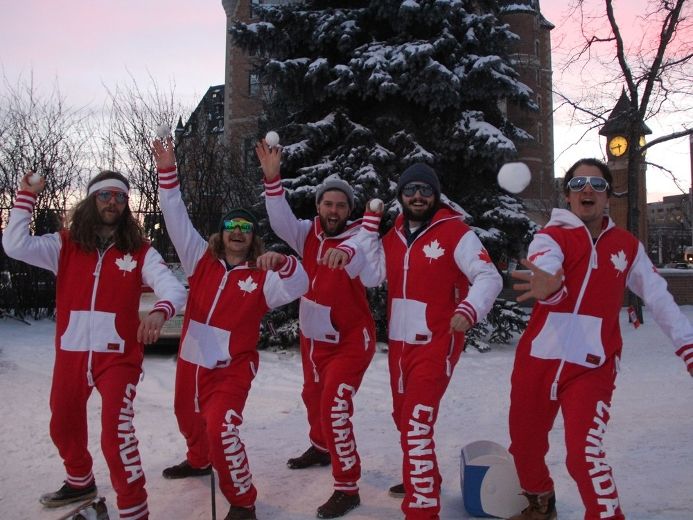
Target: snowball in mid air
(272,138)
(514,177)
(163,131)
(34,178)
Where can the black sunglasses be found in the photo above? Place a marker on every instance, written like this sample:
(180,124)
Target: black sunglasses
(410,189)
(578,183)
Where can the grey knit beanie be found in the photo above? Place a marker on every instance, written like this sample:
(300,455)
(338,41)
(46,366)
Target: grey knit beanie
(419,172)
(335,183)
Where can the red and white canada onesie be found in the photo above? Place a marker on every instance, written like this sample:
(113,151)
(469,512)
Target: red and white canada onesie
(97,303)
(337,335)
(218,356)
(569,354)
(445,270)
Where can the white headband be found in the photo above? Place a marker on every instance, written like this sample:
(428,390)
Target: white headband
(108,183)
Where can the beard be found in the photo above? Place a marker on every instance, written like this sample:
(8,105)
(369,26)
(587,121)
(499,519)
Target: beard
(332,230)
(419,216)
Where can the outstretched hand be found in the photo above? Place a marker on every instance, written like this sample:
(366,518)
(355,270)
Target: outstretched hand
(538,284)
(270,159)
(270,261)
(164,153)
(150,327)
(335,258)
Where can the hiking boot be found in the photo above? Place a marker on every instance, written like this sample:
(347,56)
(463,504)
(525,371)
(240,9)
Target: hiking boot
(241,513)
(68,494)
(311,457)
(397,491)
(338,505)
(185,470)
(541,507)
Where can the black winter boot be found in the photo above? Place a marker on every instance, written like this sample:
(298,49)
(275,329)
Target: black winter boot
(338,505)
(311,457)
(68,494)
(185,470)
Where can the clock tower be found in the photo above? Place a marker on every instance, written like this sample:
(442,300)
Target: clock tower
(616,130)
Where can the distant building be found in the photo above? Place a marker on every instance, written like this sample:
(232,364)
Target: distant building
(532,60)
(669,225)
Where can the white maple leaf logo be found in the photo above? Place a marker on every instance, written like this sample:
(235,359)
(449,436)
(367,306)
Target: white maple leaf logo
(247,285)
(433,250)
(620,261)
(126,264)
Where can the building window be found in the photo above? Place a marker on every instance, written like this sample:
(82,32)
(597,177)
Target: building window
(253,84)
(539,102)
(540,133)
(248,155)
(536,47)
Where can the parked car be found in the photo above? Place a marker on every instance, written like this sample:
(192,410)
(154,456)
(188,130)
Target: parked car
(171,331)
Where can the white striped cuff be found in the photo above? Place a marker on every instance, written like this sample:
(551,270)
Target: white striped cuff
(371,221)
(135,512)
(165,306)
(466,310)
(168,178)
(25,200)
(288,268)
(80,482)
(686,353)
(274,188)
(556,297)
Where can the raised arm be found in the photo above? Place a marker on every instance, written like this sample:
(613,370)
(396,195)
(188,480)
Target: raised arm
(42,251)
(189,245)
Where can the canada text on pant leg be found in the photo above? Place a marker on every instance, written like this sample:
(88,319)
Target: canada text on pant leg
(599,470)
(129,454)
(420,464)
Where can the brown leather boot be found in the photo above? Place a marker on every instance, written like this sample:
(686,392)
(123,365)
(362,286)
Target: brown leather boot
(541,507)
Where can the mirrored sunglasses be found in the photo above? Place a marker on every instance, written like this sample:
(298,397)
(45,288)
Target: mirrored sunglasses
(578,183)
(242,225)
(107,195)
(410,189)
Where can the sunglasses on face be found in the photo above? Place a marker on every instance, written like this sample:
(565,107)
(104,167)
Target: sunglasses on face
(578,183)
(242,225)
(424,189)
(107,195)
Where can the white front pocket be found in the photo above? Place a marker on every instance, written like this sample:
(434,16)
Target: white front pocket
(92,330)
(408,322)
(206,345)
(314,320)
(577,338)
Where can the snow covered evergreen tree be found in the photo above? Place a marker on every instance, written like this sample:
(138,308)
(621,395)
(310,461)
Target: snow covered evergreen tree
(362,89)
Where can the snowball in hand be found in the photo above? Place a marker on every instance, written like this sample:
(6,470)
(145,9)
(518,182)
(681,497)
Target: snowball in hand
(34,178)
(163,131)
(514,177)
(376,205)
(272,138)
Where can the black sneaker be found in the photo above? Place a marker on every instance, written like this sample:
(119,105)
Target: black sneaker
(338,505)
(311,457)
(241,513)
(397,491)
(68,494)
(185,470)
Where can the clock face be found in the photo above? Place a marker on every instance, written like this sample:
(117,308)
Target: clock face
(618,145)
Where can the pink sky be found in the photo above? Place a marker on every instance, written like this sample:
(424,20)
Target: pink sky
(87,44)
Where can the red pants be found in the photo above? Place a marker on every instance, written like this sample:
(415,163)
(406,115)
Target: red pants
(212,433)
(332,375)
(584,397)
(419,376)
(117,384)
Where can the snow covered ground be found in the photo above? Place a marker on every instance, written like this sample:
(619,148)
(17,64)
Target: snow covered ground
(649,441)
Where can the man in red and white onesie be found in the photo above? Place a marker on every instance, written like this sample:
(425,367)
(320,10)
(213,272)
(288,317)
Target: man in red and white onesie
(101,262)
(337,331)
(440,282)
(232,286)
(579,267)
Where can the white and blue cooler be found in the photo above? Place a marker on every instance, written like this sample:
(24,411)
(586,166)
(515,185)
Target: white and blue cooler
(490,486)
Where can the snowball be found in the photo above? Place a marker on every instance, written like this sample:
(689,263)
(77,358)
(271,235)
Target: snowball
(163,131)
(514,177)
(34,178)
(272,138)
(376,205)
